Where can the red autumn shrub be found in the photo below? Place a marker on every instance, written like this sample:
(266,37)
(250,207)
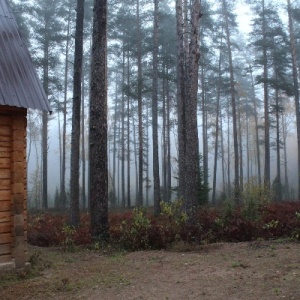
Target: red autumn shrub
(134,230)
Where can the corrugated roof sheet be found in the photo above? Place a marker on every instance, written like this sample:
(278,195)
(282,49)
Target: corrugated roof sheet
(19,83)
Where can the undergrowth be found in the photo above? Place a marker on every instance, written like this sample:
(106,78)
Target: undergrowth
(139,229)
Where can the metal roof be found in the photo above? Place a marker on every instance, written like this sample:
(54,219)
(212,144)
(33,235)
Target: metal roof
(19,83)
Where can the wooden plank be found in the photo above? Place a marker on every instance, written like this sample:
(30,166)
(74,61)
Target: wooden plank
(5,144)
(5,216)
(5,149)
(4,120)
(5,195)
(5,249)
(5,228)
(5,184)
(5,258)
(6,238)
(5,206)
(5,130)
(5,174)
(5,139)
(5,153)
(5,162)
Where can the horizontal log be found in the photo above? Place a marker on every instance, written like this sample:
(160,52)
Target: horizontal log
(5,149)
(6,238)
(5,249)
(5,195)
(5,228)
(5,144)
(5,258)
(5,174)
(5,163)
(5,216)
(4,153)
(5,184)
(4,120)
(5,206)
(5,130)
(5,138)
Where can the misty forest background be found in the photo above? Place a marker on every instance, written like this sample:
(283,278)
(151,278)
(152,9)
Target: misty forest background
(247,99)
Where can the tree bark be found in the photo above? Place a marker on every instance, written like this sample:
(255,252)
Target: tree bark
(98,125)
(140,106)
(63,196)
(192,155)
(45,128)
(234,113)
(267,175)
(128,136)
(180,100)
(156,179)
(75,138)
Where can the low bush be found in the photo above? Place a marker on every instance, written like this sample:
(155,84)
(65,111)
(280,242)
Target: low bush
(138,229)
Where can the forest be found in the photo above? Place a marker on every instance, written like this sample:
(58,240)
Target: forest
(202,102)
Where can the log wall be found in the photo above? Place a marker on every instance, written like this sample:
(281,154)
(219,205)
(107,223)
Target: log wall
(13,199)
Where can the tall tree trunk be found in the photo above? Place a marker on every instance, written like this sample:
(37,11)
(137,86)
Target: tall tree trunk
(45,159)
(204,128)
(296,87)
(146,156)
(98,125)
(156,179)
(45,129)
(128,136)
(140,105)
(279,185)
(256,127)
(169,178)
(267,176)
(135,161)
(241,174)
(233,106)
(217,133)
(113,204)
(228,152)
(180,100)
(247,142)
(223,156)
(84,206)
(123,201)
(192,154)
(75,138)
(164,144)
(286,179)
(63,196)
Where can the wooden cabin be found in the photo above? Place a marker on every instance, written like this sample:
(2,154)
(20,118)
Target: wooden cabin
(20,89)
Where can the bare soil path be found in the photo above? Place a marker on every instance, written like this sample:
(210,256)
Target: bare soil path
(257,270)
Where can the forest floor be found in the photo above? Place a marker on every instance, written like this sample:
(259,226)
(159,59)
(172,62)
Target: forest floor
(256,270)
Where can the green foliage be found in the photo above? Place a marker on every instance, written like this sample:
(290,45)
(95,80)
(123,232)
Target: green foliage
(134,233)
(296,231)
(68,238)
(254,197)
(173,211)
(271,225)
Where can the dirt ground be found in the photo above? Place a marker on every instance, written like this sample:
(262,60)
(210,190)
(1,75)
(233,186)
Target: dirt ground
(256,270)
